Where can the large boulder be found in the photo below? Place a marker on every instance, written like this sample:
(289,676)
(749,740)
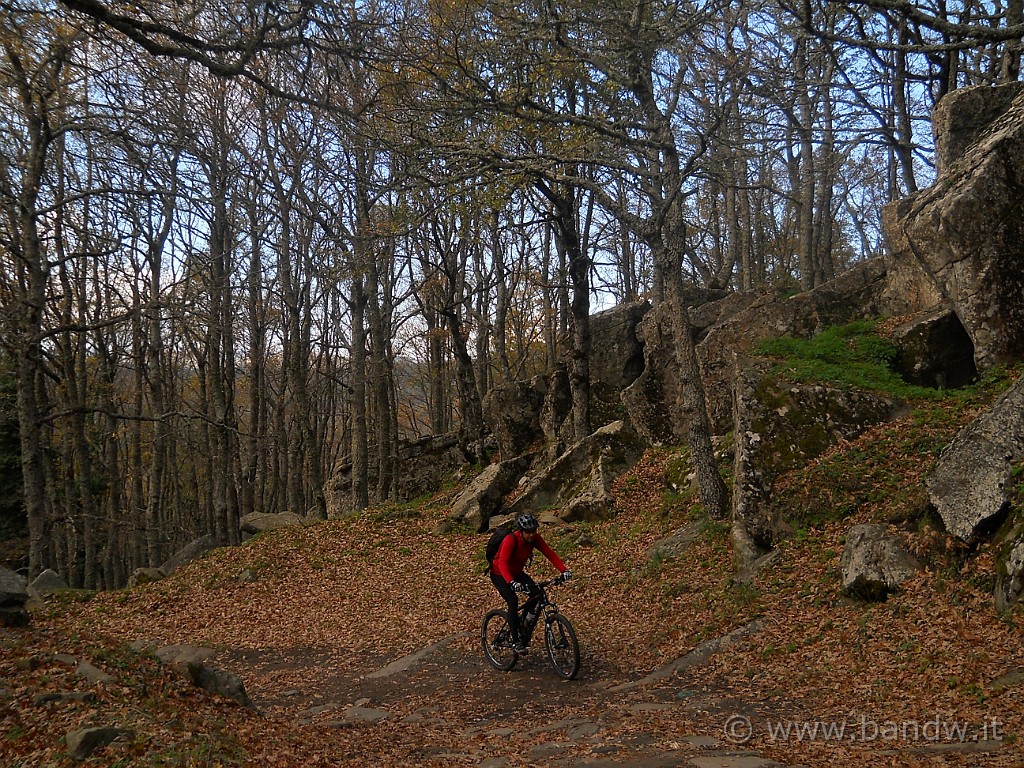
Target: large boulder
(512,412)
(258,522)
(577,485)
(484,496)
(778,427)
(934,350)
(83,742)
(46,583)
(617,356)
(875,563)
(191,551)
(969,486)
(13,596)
(961,239)
(218,681)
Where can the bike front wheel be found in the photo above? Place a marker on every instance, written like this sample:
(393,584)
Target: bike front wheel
(563,647)
(496,637)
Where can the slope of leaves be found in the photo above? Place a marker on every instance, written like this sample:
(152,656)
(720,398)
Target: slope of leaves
(356,594)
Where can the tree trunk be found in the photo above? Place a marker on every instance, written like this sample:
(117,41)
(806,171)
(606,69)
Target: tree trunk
(360,450)
(469,396)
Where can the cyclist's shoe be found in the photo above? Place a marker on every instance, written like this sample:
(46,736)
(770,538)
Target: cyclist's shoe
(521,648)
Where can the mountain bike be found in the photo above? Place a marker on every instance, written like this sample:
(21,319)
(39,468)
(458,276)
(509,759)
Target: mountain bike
(563,648)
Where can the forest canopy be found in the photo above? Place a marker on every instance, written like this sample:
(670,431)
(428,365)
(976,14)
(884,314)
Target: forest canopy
(243,243)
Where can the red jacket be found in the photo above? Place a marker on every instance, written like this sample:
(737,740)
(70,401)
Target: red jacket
(515,551)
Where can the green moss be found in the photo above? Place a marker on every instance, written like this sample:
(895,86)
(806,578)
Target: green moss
(868,475)
(677,470)
(849,356)
(883,475)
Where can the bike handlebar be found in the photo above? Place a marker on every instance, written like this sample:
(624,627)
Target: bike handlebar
(555,582)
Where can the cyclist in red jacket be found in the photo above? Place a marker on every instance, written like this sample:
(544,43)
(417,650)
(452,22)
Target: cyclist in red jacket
(507,572)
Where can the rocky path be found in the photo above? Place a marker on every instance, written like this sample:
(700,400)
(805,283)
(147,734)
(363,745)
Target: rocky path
(451,708)
(442,705)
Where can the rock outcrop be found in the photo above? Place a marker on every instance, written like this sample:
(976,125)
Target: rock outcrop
(617,357)
(13,596)
(856,294)
(779,427)
(512,412)
(970,485)
(258,522)
(423,466)
(1010,566)
(484,495)
(650,400)
(577,485)
(962,239)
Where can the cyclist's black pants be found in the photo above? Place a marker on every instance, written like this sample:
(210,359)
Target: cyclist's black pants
(512,600)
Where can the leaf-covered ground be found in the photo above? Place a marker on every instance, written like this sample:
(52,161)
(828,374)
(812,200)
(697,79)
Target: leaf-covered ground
(328,604)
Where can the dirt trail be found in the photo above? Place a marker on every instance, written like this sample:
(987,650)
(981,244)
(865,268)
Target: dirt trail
(453,708)
(443,705)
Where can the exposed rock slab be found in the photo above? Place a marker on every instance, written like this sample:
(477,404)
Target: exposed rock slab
(406,663)
(970,484)
(697,656)
(183,654)
(577,485)
(875,562)
(93,674)
(676,543)
(484,496)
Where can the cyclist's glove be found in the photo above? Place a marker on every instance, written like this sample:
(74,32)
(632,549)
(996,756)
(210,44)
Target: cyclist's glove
(565,576)
(518,586)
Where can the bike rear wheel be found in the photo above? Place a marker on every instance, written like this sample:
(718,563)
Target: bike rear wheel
(496,637)
(562,645)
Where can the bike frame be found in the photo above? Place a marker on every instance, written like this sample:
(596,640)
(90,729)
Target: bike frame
(545,605)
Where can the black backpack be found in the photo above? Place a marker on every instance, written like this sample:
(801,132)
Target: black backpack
(494,544)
